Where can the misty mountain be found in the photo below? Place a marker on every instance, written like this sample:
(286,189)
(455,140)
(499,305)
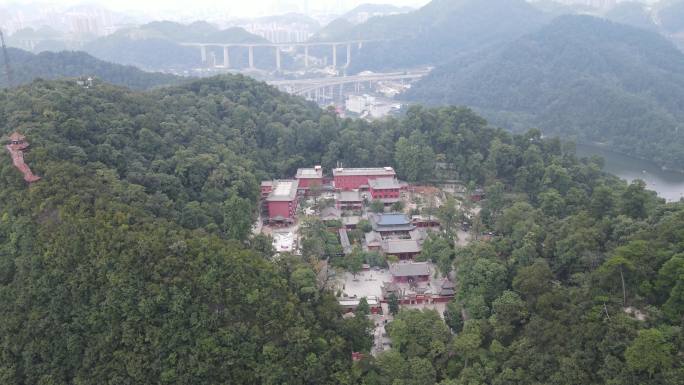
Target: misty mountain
(157,45)
(671,15)
(38,39)
(580,77)
(555,8)
(374,10)
(199,31)
(437,32)
(27,67)
(632,13)
(341,27)
(287,18)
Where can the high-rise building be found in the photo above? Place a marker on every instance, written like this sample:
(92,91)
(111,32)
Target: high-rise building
(601,4)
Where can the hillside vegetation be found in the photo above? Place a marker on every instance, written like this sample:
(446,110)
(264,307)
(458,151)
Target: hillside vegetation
(579,77)
(133,260)
(27,67)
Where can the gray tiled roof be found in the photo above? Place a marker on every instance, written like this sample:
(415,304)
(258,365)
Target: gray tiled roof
(384,183)
(392,219)
(376,171)
(400,246)
(349,196)
(412,269)
(283,190)
(331,213)
(309,173)
(447,289)
(373,239)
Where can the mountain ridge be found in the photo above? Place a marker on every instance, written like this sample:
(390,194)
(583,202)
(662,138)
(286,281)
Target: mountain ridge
(27,67)
(557,78)
(436,32)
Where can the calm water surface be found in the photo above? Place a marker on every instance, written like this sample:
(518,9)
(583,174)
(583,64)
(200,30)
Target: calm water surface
(668,184)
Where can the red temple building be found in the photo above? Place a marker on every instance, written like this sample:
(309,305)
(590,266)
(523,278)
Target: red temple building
(402,248)
(349,305)
(403,272)
(349,200)
(309,177)
(16,147)
(281,200)
(392,224)
(385,188)
(266,188)
(425,221)
(358,178)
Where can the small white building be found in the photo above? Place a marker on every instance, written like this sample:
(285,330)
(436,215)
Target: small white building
(359,103)
(370,106)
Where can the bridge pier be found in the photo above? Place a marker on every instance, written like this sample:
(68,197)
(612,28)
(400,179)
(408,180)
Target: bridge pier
(226,57)
(306,56)
(348,56)
(334,58)
(203,52)
(277,49)
(251,57)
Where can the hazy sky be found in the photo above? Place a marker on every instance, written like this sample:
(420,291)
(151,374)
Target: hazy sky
(234,7)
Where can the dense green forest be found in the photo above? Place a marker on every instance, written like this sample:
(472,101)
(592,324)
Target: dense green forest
(67,64)
(580,77)
(130,262)
(435,33)
(133,261)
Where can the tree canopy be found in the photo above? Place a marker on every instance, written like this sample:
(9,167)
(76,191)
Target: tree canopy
(132,260)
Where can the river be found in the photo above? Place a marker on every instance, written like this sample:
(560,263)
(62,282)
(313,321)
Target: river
(668,184)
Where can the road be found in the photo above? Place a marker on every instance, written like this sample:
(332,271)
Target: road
(302,86)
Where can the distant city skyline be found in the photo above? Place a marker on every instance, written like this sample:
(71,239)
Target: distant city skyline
(230,8)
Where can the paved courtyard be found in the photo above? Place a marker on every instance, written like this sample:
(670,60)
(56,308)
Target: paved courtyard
(370,283)
(365,284)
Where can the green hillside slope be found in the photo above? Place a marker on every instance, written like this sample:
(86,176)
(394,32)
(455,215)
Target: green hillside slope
(579,77)
(68,64)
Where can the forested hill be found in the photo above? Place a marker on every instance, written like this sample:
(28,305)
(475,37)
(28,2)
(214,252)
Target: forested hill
(437,32)
(579,77)
(129,261)
(157,45)
(69,64)
(199,31)
(133,261)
